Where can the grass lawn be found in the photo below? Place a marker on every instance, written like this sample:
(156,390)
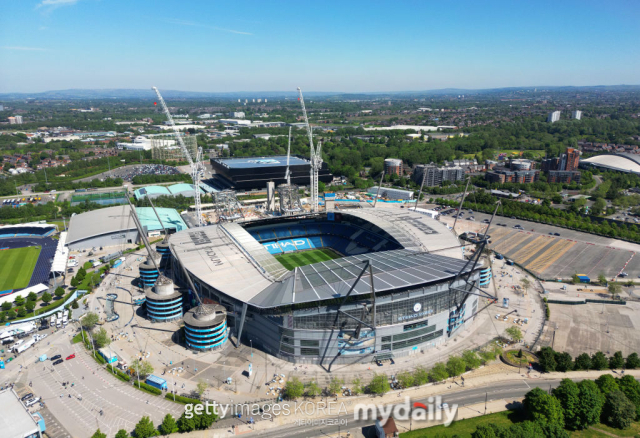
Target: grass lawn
(16,266)
(464,428)
(293,260)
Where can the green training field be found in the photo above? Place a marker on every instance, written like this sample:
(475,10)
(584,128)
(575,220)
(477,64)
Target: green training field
(16,266)
(293,260)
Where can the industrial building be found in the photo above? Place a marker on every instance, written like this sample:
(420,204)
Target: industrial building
(406,304)
(114,226)
(254,172)
(16,421)
(436,175)
(393,165)
(389,193)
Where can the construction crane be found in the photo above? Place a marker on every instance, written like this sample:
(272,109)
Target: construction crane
(287,174)
(316,157)
(196,168)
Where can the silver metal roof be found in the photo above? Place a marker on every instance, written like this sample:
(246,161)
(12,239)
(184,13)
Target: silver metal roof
(233,262)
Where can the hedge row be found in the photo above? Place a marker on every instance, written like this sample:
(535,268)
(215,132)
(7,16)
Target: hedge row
(119,374)
(182,399)
(148,388)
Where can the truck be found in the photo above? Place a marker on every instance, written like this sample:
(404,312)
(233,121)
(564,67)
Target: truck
(117,263)
(112,256)
(24,346)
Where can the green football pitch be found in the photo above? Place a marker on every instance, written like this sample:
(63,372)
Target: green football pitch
(16,266)
(295,259)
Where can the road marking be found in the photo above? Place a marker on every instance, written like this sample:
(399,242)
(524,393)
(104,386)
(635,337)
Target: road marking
(525,382)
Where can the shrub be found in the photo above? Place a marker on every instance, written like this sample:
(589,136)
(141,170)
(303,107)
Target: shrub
(148,388)
(379,384)
(182,399)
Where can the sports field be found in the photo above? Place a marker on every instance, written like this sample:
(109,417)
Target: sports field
(293,260)
(16,266)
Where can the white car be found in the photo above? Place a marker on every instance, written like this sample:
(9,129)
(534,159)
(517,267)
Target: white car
(32,402)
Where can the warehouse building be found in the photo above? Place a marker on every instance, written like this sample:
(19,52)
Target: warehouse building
(389,193)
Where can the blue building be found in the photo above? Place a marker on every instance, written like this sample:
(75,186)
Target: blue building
(205,327)
(485,277)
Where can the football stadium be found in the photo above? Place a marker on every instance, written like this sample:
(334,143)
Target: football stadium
(333,287)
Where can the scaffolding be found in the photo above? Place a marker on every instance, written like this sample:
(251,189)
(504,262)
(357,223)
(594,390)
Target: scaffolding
(289,199)
(165,147)
(227,206)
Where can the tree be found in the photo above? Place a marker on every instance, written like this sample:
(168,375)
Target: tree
(379,384)
(564,362)
(59,292)
(30,305)
(122,434)
(599,361)
(456,366)
(614,289)
(591,402)
(99,434)
(144,428)
(293,389)
(526,283)
(543,407)
(22,312)
(312,389)
(471,359)
(11,314)
(186,424)
(101,338)
(335,386)
(32,296)
(75,305)
(6,306)
(568,394)
(633,361)
(616,361)
(631,388)
(19,301)
(90,320)
(144,368)
(575,279)
(607,383)
(618,410)
(438,373)
(74,282)
(583,362)
(421,376)
(201,387)
(168,425)
(46,297)
(484,431)
(547,359)
(406,379)
(602,280)
(514,333)
(356,386)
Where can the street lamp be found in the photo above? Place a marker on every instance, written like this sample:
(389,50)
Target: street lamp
(251,343)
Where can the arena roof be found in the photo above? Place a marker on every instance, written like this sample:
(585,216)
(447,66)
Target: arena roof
(151,190)
(117,219)
(250,162)
(229,259)
(618,162)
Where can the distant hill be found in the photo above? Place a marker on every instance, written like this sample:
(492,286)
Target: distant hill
(121,93)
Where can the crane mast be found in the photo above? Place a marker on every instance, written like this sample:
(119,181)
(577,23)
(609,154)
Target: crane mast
(287,175)
(195,166)
(316,157)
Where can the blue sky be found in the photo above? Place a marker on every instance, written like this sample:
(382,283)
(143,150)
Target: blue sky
(352,46)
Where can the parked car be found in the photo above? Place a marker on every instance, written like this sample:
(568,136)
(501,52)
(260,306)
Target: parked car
(71,356)
(32,402)
(556,234)
(27,397)
(56,357)
(58,362)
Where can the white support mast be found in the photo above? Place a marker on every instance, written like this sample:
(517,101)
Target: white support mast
(195,166)
(316,157)
(287,175)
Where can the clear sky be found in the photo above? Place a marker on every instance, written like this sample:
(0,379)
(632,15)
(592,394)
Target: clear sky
(348,45)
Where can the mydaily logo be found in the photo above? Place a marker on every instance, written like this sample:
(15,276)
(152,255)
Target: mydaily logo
(434,409)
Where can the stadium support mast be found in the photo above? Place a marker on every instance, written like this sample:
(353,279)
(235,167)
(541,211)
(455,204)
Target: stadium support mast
(375,201)
(455,221)
(316,157)
(195,166)
(287,175)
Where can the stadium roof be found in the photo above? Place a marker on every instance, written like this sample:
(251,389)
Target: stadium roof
(179,189)
(619,162)
(229,259)
(251,162)
(115,219)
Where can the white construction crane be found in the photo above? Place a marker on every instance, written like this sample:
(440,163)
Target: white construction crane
(196,168)
(316,157)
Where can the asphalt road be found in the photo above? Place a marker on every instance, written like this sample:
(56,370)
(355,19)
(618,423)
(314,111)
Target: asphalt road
(462,397)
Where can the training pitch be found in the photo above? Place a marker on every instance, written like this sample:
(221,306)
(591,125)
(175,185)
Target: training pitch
(16,266)
(293,260)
